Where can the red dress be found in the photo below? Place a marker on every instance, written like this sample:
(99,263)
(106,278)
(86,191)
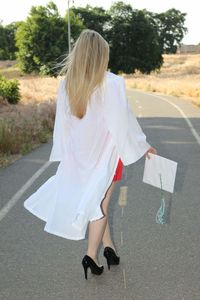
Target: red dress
(118,172)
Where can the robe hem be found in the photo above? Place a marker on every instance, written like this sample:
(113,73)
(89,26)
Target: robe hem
(52,232)
(31,210)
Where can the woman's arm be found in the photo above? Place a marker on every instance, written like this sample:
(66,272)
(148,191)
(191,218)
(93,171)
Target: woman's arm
(127,133)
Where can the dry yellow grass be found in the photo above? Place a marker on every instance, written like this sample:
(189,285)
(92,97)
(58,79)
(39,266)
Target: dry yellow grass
(38,89)
(9,69)
(179,76)
(24,127)
(29,123)
(33,88)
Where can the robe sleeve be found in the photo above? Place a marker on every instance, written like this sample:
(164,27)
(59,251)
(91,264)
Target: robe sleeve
(60,130)
(126,132)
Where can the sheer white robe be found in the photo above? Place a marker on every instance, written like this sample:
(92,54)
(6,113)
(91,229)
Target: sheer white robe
(88,150)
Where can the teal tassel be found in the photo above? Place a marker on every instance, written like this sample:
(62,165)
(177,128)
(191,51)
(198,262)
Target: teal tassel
(160,216)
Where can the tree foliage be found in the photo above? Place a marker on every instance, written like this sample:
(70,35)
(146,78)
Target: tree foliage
(137,38)
(76,25)
(170,27)
(41,39)
(7,41)
(133,41)
(92,17)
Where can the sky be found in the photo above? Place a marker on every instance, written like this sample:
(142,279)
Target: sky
(18,10)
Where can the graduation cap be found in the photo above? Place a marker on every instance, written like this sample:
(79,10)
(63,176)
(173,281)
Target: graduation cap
(161,173)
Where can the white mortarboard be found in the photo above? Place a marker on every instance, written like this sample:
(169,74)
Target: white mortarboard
(157,166)
(161,173)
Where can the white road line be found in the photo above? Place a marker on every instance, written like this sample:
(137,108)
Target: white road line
(4,211)
(122,241)
(192,129)
(124,276)
(122,199)
(122,211)
(39,161)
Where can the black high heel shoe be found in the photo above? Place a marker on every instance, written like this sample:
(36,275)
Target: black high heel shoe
(111,257)
(87,261)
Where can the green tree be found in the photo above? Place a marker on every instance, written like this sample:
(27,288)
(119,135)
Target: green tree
(3,54)
(171,29)
(7,41)
(94,18)
(137,38)
(121,10)
(42,39)
(134,41)
(76,25)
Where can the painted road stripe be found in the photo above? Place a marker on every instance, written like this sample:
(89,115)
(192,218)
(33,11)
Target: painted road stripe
(124,276)
(122,241)
(192,129)
(122,211)
(122,200)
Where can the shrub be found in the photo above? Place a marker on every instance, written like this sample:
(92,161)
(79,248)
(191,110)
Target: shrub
(9,90)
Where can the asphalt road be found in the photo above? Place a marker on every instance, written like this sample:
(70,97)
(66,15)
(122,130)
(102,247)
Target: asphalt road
(158,261)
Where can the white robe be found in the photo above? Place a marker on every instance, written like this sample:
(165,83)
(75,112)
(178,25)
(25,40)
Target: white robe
(88,150)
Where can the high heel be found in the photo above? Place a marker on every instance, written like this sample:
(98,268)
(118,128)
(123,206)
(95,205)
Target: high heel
(111,257)
(87,262)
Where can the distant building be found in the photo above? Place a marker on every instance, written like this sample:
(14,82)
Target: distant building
(190,49)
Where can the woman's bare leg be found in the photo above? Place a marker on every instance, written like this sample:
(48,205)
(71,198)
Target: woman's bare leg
(106,239)
(97,228)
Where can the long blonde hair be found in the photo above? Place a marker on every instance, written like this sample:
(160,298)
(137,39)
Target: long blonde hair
(84,69)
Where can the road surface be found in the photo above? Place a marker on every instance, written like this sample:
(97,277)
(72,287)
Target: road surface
(158,261)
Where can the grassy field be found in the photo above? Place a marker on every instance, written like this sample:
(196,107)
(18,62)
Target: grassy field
(29,123)
(179,76)
(33,88)
(26,125)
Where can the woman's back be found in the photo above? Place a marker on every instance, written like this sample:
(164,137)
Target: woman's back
(108,117)
(86,137)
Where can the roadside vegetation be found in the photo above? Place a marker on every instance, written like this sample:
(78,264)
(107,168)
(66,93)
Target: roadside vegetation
(179,76)
(29,122)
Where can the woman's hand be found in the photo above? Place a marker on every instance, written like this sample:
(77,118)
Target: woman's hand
(151,150)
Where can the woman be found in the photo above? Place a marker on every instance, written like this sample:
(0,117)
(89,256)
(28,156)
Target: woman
(95,134)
